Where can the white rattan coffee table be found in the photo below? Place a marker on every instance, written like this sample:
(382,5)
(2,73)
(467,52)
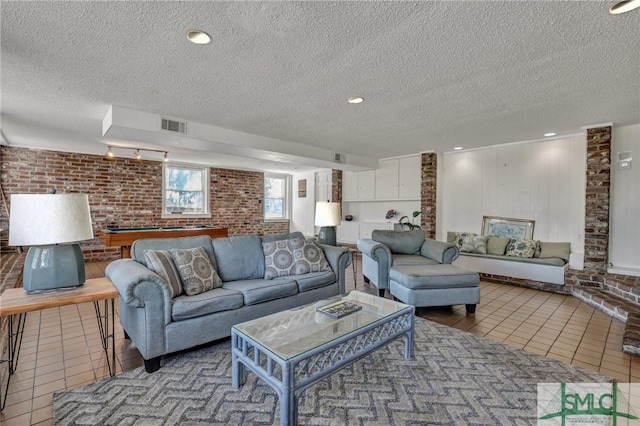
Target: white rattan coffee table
(294,349)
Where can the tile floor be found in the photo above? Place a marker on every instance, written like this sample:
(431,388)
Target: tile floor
(61,347)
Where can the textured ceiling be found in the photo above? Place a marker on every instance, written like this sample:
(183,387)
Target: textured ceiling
(434,75)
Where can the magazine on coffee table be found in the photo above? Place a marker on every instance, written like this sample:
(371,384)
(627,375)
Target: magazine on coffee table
(339,309)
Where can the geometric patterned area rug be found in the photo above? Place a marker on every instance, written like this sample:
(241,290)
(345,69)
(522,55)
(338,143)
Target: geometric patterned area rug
(455,378)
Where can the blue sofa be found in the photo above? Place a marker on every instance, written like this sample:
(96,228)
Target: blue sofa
(159,324)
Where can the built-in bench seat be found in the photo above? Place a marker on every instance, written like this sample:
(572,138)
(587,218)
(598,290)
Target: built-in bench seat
(541,269)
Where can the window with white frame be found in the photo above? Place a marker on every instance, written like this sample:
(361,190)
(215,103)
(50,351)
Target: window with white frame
(276,197)
(185,190)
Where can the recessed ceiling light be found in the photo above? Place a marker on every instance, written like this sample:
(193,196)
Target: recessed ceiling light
(624,6)
(355,100)
(199,37)
(457,148)
(550,134)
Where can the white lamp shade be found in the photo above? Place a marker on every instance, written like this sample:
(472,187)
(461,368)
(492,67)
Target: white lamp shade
(327,214)
(42,219)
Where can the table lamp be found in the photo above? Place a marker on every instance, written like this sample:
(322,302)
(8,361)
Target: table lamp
(51,224)
(327,218)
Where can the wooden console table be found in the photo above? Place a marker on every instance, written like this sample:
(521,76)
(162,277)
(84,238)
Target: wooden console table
(15,304)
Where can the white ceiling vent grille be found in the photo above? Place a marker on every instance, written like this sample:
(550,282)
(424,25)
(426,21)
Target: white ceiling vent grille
(174,126)
(338,158)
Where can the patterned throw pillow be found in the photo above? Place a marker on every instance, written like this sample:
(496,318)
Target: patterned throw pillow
(310,258)
(160,262)
(519,247)
(196,271)
(468,242)
(279,258)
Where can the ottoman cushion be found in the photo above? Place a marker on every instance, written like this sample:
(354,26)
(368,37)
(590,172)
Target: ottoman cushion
(433,276)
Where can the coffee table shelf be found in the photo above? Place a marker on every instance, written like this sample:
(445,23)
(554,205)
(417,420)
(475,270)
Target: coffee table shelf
(294,349)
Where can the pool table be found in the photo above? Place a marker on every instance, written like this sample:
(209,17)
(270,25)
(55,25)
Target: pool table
(124,237)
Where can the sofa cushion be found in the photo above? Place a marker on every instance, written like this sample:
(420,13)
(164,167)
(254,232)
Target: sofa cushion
(261,290)
(402,242)
(551,250)
(239,258)
(209,302)
(310,258)
(160,262)
(468,242)
(409,259)
(520,247)
(312,280)
(279,257)
(196,271)
(139,246)
(497,245)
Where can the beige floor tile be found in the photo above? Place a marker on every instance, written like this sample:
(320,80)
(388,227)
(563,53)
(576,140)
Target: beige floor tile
(557,326)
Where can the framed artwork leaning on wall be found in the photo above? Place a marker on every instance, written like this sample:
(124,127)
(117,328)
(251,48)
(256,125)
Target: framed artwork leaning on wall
(493,226)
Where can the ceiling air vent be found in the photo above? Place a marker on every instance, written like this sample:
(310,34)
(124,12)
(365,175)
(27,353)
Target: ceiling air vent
(338,158)
(174,126)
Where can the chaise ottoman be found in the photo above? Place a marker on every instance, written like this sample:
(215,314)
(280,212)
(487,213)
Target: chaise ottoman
(435,285)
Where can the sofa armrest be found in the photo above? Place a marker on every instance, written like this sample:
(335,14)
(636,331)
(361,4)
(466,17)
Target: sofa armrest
(375,250)
(339,258)
(439,251)
(139,286)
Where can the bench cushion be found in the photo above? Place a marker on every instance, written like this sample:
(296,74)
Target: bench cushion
(553,261)
(436,276)
(209,302)
(261,290)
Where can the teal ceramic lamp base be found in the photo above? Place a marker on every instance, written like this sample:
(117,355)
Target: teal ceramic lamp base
(327,235)
(53,267)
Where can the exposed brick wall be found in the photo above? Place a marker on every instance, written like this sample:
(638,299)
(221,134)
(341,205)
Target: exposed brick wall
(127,192)
(428,194)
(336,186)
(597,197)
(596,232)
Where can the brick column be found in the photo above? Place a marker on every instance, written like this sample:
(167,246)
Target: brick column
(429,174)
(336,186)
(596,228)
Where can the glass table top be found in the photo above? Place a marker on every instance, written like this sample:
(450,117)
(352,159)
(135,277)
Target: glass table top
(295,331)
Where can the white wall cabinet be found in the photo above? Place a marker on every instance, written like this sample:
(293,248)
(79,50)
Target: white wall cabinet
(394,179)
(350,185)
(387,179)
(410,177)
(367,185)
(351,232)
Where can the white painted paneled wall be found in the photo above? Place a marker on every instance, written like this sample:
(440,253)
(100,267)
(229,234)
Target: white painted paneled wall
(624,222)
(539,180)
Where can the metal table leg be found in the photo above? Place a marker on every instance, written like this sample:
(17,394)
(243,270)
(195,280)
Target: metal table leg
(107,332)
(14,341)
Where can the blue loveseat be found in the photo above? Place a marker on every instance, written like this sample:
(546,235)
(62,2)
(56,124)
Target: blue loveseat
(159,324)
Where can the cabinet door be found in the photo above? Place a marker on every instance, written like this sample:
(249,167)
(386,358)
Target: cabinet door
(410,177)
(367,185)
(366,228)
(349,186)
(348,232)
(387,179)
